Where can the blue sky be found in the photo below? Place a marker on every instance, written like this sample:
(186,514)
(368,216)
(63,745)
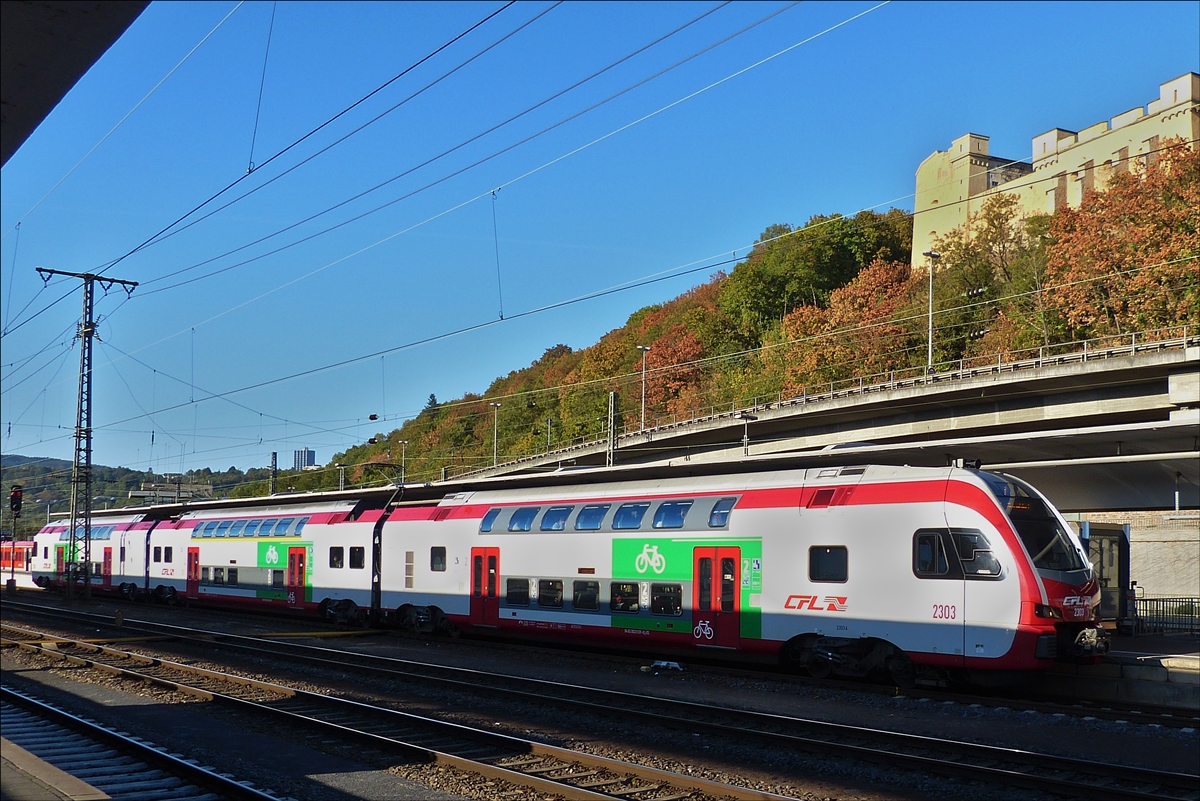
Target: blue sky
(836,124)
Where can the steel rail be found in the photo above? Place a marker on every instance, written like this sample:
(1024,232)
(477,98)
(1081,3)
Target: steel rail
(912,751)
(544,768)
(1124,713)
(201,777)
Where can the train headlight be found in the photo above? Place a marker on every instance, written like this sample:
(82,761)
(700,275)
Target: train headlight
(1045,610)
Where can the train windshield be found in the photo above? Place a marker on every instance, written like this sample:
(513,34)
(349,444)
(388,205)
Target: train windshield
(1039,528)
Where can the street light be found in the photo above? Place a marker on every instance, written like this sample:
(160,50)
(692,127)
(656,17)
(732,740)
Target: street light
(745,417)
(403,454)
(933,256)
(495,432)
(48,503)
(341,468)
(645,349)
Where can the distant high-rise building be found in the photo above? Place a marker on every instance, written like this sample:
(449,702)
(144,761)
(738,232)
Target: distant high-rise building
(304,458)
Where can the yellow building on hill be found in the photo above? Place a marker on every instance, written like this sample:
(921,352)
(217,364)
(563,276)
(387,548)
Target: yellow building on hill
(953,184)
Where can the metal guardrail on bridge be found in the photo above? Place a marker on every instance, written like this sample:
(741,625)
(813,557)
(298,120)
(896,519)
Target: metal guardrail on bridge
(1101,348)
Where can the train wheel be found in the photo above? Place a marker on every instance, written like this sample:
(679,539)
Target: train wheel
(323,610)
(169,596)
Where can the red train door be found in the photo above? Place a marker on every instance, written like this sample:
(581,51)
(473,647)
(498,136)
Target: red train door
(193,572)
(297,563)
(485,586)
(106,569)
(716,597)
(60,559)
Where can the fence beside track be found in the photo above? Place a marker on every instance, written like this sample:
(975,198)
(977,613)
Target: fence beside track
(1167,615)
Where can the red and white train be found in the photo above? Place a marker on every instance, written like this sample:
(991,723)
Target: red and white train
(916,571)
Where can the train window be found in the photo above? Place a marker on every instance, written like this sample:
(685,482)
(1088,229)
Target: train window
(205,575)
(218,575)
(231,576)
(929,555)
(486,524)
(522,519)
(666,599)
(518,592)
(550,593)
(719,517)
(629,515)
(167,554)
(728,583)
(196,530)
(586,595)
(671,514)
(591,517)
(704,590)
(555,518)
(223,528)
(46,552)
(300,526)
(477,572)
(122,558)
(281,529)
(976,555)
(358,557)
(236,529)
(827,563)
(337,556)
(208,528)
(410,569)
(264,528)
(157,553)
(821,498)
(623,597)
(251,528)
(276,578)
(437,559)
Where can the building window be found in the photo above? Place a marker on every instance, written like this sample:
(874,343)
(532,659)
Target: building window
(827,563)
(437,559)
(337,557)
(358,557)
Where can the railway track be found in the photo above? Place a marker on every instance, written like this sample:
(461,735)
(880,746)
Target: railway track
(523,763)
(1011,767)
(1111,711)
(124,768)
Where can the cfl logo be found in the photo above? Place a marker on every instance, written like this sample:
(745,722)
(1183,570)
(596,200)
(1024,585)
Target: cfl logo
(830,603)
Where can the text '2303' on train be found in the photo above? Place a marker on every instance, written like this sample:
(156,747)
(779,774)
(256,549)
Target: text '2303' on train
(921,572)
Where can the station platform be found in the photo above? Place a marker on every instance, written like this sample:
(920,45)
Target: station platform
(25,777)
(1154,670)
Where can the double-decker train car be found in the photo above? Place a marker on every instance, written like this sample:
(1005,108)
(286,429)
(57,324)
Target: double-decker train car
(916,571)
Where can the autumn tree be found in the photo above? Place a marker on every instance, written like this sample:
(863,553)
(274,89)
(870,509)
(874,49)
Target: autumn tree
(1126,259)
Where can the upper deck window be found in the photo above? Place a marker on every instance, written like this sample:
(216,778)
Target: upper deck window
(671,514)
(591,517)
(223,527)
(299,526)
(251,528)
(719,517)
(236,529)
(555,518)
(281,529)
(522,519)
(264,528)
(485,525)
(629,515)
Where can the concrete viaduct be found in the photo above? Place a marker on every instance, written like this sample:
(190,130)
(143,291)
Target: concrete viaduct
(1096,430)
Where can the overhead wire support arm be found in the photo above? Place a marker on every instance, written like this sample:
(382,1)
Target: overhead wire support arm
(81,467)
